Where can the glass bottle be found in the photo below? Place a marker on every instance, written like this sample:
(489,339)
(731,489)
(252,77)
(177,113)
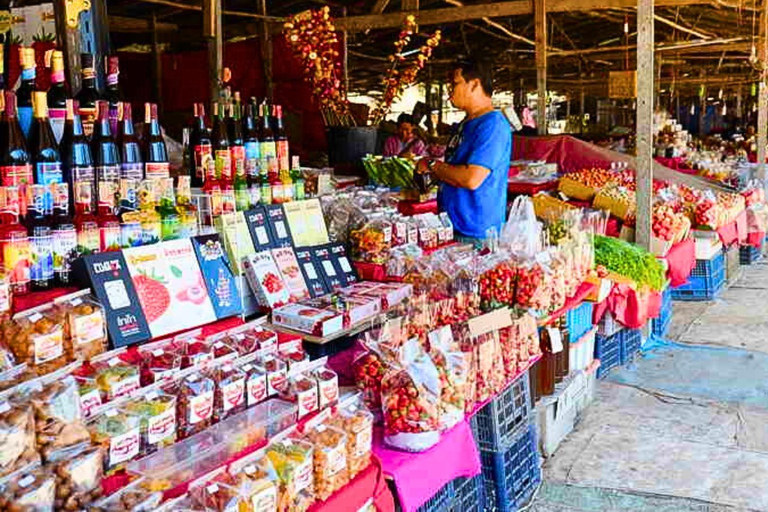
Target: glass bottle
(131,164)
(40,240)
(156,164)
(26,89)
(15,241)
(15,161)
(251,143)
(109,224)
(221,147)
(281,140)
(297,177)
(150,219)
(76,157)
(185,207)
(88,236)
(267,146)
(88,95)
(113,94)
(170,221)
(106,156)
(57,94)
(64,237)
(201,157)
(129,214)
(235,134)
(44,150)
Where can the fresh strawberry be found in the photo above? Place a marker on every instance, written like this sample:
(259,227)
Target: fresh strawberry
(153,295)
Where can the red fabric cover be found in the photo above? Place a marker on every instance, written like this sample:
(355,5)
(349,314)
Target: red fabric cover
(681,259)
(741,226)
(569,153)
(598,310)
(34,299)
(632,308)
(728,234)
(672,163)
(370,271)
(369,483)
(583,290)
(530,189)
(613,227)
(410,208)
(755,239)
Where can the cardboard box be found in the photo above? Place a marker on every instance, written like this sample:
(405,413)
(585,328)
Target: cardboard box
(342,264)
(217,273)
(313,276)
(236,237)
(314,321)
(286,262)
(278,225)
(266,280)
(256,219)
(330,272)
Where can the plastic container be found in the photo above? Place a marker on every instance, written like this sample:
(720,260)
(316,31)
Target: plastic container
(608,351)
(578,320)
(157,412)
(498,421)
(706,281)
(631,341)
(442,501)
(468,494)
(86,326)
(748,255)
(582,352)
(330,460)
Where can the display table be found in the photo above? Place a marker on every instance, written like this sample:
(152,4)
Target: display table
(419,476)
(681,259)
(34,299)
(368,485)
(410,208)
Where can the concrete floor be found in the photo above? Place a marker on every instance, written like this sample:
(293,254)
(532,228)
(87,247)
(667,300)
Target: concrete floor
(685,427)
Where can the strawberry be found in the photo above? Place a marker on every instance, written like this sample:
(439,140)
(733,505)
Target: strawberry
(153,295)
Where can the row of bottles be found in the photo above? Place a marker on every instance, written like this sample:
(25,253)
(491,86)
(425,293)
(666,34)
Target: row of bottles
(38,250)
(245,156)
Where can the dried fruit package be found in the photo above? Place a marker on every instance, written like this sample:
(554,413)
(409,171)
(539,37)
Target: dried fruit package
(302,390)
(496,284)
(293,463)
(464,342)
(17,437)
(194,352)
(36,337)
(255,383)
(32,489)
(327,386)
(509,339)
(452,368)
(116,377)
(86,326)
(158,364)
(118,433)
(410,393)
(195,404)
(558,281)
(78,471)
(277,374)
(489,365)
(372,242)
(230,396)
(157,412)
(533,285)
(357,423)
(259,482)
(220,496)
(330,460)
(58,417)
(132,498)
(7,361)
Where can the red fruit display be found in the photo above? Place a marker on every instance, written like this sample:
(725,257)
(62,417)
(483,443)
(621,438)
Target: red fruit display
(153,296)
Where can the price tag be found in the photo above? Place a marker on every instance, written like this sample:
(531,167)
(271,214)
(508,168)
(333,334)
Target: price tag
(555,339)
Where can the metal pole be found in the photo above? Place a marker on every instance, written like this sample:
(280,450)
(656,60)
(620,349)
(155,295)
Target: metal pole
(540,14)
(762,99)
(645,94)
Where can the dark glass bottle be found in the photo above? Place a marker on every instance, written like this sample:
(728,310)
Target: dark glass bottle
(106,155)
(64,237)
(201,157)
(281,140)
(155,153)
(76,157)
(15,161)
(251,143)
(88,95)
(57,94)
(109,224)
(44,150)
(221,147)
(40,240)
(26,90)
(131,163)
(113,94)
(85,222)
(267,145)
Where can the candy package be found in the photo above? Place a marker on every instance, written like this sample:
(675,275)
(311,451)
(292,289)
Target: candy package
(17,437)
(36,337)
(195,404)
(116,377)
(259,482)
(132,498)
(302,390)
(452,368)
(293,463)
(327,386)
(330,459)
(230,396)
(255,383)
(78,471)
(32,489)
(357,423)
(58,417)
(158,364)
(118,433)
(86,326)
(277,373)
(157,412)
(221,496)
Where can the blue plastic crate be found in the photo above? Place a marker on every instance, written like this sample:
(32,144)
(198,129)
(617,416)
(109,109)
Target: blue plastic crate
(630,342)
(703,287)
(749,255)
(510,477)
(442,501)
(468,495)
(495,424)
(578,321)
(660,325)
(608,351)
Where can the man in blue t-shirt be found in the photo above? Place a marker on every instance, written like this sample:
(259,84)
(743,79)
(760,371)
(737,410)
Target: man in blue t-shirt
(473,188)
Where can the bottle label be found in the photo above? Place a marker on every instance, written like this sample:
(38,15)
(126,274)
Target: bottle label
(204,161)
(169,227)
(88,238)
(108,172)
(48,173)
(57,117)
(157,170)
(223,164)
(284,160)
(16,253)
(18,176)
(83,173)
(64,248)
(130,234)
(107,190)
(150,232)
(252,159)
(114,117)
(88,117)
(267,153)
(109,237)
(238,160)
(132,171)
(41,256)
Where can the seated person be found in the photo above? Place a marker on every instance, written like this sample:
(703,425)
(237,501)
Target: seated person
(405,142)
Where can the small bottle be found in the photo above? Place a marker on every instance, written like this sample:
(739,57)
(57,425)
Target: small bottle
(109,224)
(64,237)
(150,219)
(88,95)
(113,94)
(44,150)
(297,177)
(27,89)
(106,155)
(129,214)
(156,164)
(57,94)
(186,209)
(235,134)
(40,240)
(15,241)
(251,143)
(15,160)
(201,151)
(169,215)
(86,224)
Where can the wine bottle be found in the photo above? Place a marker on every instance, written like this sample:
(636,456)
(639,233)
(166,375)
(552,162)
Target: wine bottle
(87,227)
(281,140)
(156,164)
(44,150)
(251,143)
(131,164)
(267,145)
(15,161)
(113,94)
(40,239)
(88,95)
(109,224)
(201,157)
(106,156)
(26,89)
(130,217)
(64,237)
(76,156)
(221,147)
(237,149)
(57,94)
(14,240)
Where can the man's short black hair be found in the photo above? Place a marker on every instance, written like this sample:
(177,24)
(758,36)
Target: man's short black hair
(472,68)
(404,118)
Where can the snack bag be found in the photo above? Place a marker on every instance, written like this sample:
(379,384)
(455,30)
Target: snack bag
(357,423)
(255,383)
(195,404)
(452,369)
(158,364)
(86,326)
(327,386)
(36,337)
(17,437)
(293,463)
(369,369)
(489,365)
(230,396)
(496,284)
(132,498)
(78,471)
(157,411)
(31,489)
(58,417)
(115,378)
(330,460)
(259,482)
(464,342)
(118,433)
(533,288)
(302,390)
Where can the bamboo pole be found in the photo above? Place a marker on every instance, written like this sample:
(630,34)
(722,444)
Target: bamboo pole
(645,95)
(540,16)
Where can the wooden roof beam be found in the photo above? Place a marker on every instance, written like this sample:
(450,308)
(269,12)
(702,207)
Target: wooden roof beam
(125,24)
(736,45)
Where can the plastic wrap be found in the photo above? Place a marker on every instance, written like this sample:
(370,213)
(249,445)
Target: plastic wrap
(357,423)
(293,463)
(58,418)
(452,368)
(195,404)
(157,412)
(86,325)
(259,482)
(37,339)
(17,437)
(302,390)
(78,472)
(158,364)
(30,490)
(255,383)
(230,396)
(118,433)
(330,459)
(522,234)
(116,377)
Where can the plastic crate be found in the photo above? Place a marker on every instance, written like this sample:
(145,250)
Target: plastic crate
(749,255)
(579,320)
(496,423)
(631,341)
(468,494)
(510,477)
(442,501)
(704,285)
(608,351)
(660,325)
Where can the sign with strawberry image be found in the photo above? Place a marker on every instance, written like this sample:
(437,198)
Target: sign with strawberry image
(170,286)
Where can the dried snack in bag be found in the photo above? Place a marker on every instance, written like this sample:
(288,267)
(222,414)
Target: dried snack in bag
(132,498)
(369,369)
(330,460)
(327,386)
(17,437)
(86,326)
(157,411)
(293,463)
(452,369)
(195,404)
(220,496)
(115,378)
(158,364)
(194,352)
(37,338)
(32,489)
(255,383)
(230,397)
(7,361)
(58,417)
(302,390)
(118,433)
(259,482)
(357,423)
(78,471)
(277,374)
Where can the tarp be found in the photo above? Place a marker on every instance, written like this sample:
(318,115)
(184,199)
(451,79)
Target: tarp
(572,154)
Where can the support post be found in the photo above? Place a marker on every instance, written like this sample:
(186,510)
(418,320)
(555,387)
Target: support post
(540,15)
(581,109)
(265,38)
(345,54)
(157,66)
(645,94)
(69,41)
(762,99)
(214,31)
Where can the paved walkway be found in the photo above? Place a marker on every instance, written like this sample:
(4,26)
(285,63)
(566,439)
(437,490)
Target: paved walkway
(685,428)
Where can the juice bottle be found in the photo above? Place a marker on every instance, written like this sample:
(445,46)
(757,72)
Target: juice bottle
(86,224)
(109,224)
(169,216)
(15,241)
(129,214)
(40,240)
(150,219)
(64,237)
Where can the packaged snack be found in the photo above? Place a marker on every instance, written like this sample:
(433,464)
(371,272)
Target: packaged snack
(195,405)
(220,496)
(452,368)
(223,350)
(372,242)
(17,437)
(37,338)
(230,396)
(357,423)
(328,386)
(116,378)
(293,463)
(194,352)
(330,460)
(265,280)
(15,376)
(58,418)
(7,361)
(285,259)
(30,490)
(310,320)
(90,394)
(302,390)
(295,358)
(277,374)
(255,383)
(158,364)
(78,471)
(489,365)
(157,412)
(259,483)
(135,497)
(242,343)
(118,433)
(86,326)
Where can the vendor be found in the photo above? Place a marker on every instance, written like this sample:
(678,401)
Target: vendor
(473,178)
(405,143)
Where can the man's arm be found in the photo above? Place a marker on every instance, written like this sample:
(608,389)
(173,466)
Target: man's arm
(462,176)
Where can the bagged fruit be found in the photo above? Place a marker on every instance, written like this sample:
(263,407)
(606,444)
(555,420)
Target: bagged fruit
(58,417)
(255,383)
(32,489)
(115,378)
(293,463)
(452,368)
(259,482)
(159,364)
(327,386)
(330,460)
(78,471)
(118,433)
(230,396)
(357,423)
(369,369)
(496,284)
(302,390)
(195,404)
(533,288)
(86,326)
(36,337)
(157,412)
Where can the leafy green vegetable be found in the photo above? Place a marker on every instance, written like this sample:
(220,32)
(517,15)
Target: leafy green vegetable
(630,261)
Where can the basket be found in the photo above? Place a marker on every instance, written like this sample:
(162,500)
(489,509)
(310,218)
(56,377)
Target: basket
(576,190)
(442,501)
(608,351)
(706,281)
(749,255)
(630,342)
(578,320)
(468,494)
(510,477)
(496,423)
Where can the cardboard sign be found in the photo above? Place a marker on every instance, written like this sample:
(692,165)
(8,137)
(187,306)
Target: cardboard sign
(489,322)
(313,276)
(307,224)
(278,225)
(218,276)
(342,264)
(108,276)
(236,238)
(256,219)
(330,272)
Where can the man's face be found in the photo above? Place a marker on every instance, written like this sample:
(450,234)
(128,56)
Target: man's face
(405,131)
(460,90)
